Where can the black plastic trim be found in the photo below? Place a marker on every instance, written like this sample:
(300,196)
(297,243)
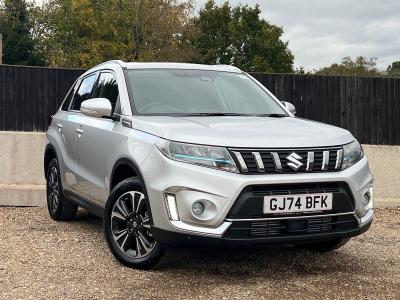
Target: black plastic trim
(49,147)
(249,203)
(174,238)
(135,167)
(85,203)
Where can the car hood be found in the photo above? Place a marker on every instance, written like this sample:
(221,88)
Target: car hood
(243,131)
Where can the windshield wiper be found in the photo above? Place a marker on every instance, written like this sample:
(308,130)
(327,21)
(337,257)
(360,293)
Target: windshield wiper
(221,114)
(216,114)
(274,115)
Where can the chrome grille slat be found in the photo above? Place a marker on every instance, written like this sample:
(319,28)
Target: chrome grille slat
(301,160)
(260,164)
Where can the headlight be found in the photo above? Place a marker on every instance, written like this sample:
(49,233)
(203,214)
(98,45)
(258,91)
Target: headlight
(208,156)
(352,153)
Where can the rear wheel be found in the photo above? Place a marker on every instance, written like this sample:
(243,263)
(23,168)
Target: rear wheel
(60,208)
(127,226)
(327,246)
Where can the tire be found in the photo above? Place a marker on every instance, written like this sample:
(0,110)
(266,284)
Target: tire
(59,207)
(127,226)
(327,246)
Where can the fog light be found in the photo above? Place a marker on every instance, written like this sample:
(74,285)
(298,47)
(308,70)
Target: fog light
(171,206)
(198,208)
(366,199)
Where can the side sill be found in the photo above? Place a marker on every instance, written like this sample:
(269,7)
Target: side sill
(84,203)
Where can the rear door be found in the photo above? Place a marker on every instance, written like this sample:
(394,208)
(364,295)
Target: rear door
(65,140)
(95,142)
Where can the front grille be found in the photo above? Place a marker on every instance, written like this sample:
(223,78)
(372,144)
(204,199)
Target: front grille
(291,227)
(267,161)
(250,201)
(280,227)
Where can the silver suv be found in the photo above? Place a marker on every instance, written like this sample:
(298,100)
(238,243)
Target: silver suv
(192,154)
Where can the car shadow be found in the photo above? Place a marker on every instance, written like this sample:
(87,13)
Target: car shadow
(226,262)
(269,262)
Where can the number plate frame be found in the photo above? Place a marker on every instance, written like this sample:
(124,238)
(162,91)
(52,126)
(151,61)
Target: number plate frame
(301,203)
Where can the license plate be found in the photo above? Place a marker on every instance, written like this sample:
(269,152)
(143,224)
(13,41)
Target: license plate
(279,204)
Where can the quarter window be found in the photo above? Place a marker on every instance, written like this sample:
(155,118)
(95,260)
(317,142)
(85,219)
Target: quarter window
(84,92)
(68,98)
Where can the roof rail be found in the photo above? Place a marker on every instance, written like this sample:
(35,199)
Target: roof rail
(114,61)
(117,61)
(227,66)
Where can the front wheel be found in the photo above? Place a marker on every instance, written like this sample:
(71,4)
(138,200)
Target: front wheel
(127,226)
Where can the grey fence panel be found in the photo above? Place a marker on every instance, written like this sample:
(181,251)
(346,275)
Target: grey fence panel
(29,95)
(367,106)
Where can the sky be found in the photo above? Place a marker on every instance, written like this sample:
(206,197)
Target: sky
(322,32)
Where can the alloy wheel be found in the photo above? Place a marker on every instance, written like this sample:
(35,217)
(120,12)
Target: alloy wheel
(53,187)
(130,225)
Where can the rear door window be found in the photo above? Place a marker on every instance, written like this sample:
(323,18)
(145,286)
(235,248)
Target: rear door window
(84,92)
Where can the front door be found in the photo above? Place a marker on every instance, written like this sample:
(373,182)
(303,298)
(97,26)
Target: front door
(69,127)
(94,143)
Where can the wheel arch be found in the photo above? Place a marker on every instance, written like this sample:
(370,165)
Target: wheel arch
(124,168)
(49,153)
(122,165)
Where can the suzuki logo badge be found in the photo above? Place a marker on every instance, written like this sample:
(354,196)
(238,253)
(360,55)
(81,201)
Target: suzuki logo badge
(294,161)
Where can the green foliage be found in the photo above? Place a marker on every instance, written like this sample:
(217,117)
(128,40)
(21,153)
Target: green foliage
(16,26)
(238,36)
(361,66)
(301,71)
(83,33)
(394,69)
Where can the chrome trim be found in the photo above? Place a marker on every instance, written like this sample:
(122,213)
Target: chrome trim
(241,161)
(294,217)
(295,162)
(367,217)
(339,158)
(217,232)
(310,161)
(286,149)
(277,161)
(325,161)
(259,162)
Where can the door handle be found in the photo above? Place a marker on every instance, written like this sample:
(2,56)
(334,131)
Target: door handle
(59,126)
(79,131)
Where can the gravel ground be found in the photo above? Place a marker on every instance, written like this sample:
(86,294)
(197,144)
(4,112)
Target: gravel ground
(40,258)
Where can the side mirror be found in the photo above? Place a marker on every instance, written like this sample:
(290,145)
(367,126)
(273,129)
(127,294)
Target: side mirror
(290,107)
(96,107)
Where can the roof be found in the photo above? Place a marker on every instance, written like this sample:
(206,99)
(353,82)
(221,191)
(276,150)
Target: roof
(169,65)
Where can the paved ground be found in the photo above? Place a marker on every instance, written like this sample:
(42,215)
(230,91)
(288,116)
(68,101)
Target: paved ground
(40,258)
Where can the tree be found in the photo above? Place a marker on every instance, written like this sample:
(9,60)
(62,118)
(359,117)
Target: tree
(394,69)
(16,26)
(83,33)
(361,66)
(238,36)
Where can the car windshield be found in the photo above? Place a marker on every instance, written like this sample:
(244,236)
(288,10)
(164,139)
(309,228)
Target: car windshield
(198,92)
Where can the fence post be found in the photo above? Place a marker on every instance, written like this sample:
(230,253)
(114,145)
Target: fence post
(1,49)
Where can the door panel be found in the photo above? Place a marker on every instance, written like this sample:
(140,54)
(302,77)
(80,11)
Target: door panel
(93,147)
(65,126)
(94,142)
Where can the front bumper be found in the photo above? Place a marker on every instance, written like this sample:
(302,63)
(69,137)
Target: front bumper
(184,239)
(189,183)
